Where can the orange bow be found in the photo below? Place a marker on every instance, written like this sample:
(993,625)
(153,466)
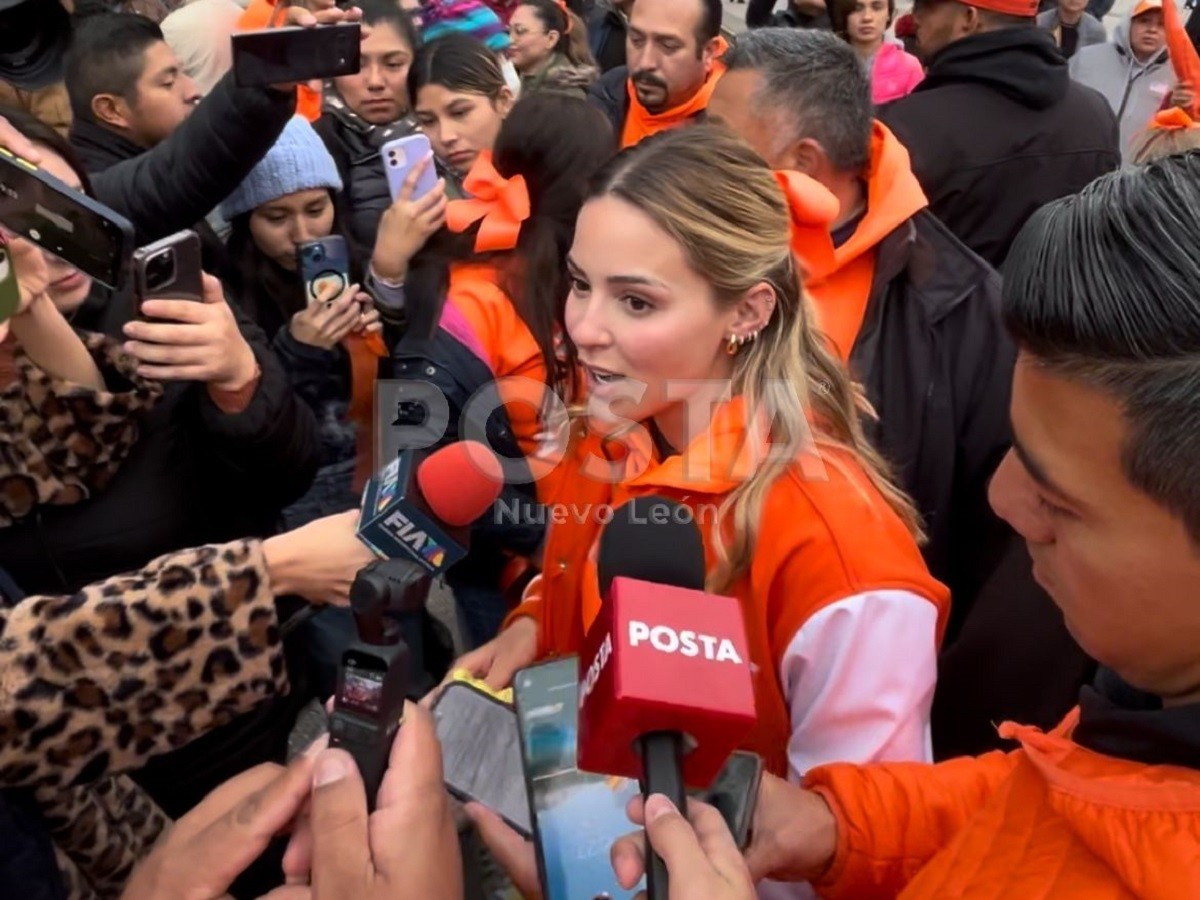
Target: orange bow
(562,4)
(1173,119)
(813,208)
(502,203)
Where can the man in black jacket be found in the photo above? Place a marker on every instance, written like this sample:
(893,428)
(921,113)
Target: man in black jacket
(929,346)
(997,128)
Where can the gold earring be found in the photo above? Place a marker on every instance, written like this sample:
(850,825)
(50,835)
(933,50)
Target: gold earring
(733,345)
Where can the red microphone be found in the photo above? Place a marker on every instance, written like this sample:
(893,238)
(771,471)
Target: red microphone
(665,691)
(422,508)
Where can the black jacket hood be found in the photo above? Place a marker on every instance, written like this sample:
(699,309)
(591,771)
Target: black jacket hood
(1021,63)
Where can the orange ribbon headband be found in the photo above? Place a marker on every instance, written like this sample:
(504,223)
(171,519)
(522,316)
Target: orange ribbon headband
(1173,119)
(562,4)
(499,204)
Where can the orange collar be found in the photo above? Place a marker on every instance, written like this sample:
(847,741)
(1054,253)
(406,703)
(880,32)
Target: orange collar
(641,124)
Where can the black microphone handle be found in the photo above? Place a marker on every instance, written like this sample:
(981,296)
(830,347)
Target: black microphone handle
(662,757)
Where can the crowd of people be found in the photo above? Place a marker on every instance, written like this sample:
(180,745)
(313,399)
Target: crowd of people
(911,303)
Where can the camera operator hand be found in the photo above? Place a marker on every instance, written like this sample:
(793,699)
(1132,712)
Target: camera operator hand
(317,561)
(192,341)
(406,225)
(700,853)
(206,850)
(406,848)
(331,317)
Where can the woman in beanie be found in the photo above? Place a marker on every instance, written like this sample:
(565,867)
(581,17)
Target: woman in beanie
(286,200)
(549,48)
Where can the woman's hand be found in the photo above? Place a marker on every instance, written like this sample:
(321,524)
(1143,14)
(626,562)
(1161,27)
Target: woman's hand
(318,561)
(29,265)
(406,225)
(1183,95)
(497,661)
(331,317)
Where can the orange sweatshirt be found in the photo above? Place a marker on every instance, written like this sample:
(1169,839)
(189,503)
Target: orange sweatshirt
(1051,819)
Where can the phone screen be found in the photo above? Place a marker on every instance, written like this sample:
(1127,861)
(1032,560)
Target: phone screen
(481,753)
(361,690)
(577,815)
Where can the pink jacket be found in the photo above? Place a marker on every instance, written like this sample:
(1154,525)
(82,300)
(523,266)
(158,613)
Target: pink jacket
(894,73)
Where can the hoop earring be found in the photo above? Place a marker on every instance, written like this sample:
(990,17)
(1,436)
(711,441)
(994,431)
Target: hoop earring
(733,345)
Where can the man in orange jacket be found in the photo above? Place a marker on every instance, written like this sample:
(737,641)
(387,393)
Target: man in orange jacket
(916,315)
(1100,296)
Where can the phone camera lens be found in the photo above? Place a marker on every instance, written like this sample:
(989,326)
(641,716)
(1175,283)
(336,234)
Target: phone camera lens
(160,270)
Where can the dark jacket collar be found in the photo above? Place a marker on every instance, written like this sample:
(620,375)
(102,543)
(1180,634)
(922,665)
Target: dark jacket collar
(101,148)
(1120,721)
(1021,63)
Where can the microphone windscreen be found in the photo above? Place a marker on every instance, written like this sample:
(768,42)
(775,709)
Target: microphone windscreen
(652,539)
(460,481)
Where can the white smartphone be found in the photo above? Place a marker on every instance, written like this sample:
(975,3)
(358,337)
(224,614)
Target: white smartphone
(401,156)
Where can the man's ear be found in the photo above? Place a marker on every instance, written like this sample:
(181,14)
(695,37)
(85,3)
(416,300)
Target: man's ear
(111,110)
(970,20)
(806,156)
(710,50)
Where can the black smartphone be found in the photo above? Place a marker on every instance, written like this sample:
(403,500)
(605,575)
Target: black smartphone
(284,55)
(169,268)
(68,223)
(577,816)
(481,752)
(735,794)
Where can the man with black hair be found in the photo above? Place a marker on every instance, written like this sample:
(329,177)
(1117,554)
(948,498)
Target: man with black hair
(916,315)
(997,128)
(1100,298)
(149,157)
(671,48)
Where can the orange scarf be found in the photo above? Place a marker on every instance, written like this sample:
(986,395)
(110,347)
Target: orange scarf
(641,124)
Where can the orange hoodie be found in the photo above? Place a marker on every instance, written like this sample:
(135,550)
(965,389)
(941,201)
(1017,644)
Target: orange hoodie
(893,197)
(256,16)
(640,123)
(1051,819)
(825,534)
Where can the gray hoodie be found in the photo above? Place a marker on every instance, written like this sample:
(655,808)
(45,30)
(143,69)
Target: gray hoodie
(1134,90)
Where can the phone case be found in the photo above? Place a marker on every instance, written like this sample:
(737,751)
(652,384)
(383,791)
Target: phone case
(399,157)
(67,223)
(10,291)
(456,786)
(322,262)
(182,281)
(288,54)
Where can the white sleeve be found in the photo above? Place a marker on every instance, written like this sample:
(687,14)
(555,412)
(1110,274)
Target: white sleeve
(858,678)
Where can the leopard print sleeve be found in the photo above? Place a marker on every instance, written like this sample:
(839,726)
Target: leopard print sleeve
(137,665)
(60,442)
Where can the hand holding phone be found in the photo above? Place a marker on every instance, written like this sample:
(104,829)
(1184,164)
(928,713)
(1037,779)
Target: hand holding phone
(335,315)
(415,215)
(24,275)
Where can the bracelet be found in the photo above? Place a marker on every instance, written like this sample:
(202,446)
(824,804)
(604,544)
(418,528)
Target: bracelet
(385,282)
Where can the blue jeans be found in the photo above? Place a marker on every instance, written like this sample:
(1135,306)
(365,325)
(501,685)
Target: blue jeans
(480,612)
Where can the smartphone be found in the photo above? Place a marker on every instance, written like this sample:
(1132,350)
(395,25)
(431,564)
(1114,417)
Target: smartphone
(734,793)
(577,816)
(481,752)
(68,223)
(401,156)
(169,268)
(10,291)
(284,55)
(321,263)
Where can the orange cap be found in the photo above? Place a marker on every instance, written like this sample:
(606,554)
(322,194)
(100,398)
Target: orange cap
(1146,6)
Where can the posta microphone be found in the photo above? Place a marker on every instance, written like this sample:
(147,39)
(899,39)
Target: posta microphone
(420,508)
(665,685)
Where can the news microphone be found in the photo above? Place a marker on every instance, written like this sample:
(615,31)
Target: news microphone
(420,507)
(666,693)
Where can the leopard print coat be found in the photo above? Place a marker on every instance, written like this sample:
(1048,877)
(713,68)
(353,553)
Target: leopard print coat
(96,684)
(61,443)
